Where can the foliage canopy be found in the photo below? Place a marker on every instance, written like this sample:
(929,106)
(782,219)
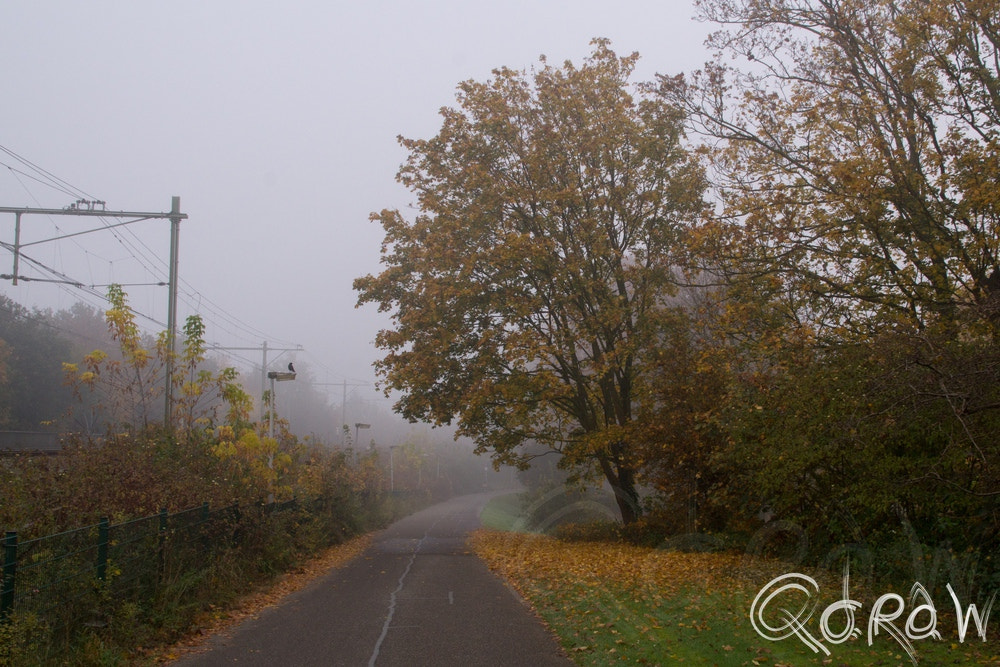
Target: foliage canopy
(549,206)
(855,154)
(854,157)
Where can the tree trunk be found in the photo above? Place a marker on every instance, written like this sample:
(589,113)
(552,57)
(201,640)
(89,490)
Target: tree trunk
(622,481)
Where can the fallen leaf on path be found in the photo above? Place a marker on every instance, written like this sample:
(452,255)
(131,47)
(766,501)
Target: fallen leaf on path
(271,594)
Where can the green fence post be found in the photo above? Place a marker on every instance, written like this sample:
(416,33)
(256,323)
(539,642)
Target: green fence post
(103,528)
(9,570)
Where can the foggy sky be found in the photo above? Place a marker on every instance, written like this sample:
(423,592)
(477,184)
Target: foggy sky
(276,125)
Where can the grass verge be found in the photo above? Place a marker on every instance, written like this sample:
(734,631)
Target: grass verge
(502,512)
(613,603)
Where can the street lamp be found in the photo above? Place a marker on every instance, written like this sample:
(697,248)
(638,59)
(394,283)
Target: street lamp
(357,426)
(280,376)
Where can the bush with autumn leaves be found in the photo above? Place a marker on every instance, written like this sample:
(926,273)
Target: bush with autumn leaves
(130,465)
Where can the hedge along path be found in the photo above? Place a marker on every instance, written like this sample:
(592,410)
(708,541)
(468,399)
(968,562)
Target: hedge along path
(216,621)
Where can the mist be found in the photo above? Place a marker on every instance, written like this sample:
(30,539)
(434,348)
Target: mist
(277,129)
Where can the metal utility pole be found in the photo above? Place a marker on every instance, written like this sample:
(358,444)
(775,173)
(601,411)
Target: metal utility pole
(96,209)
(343,405)
(175,230)
(343,409)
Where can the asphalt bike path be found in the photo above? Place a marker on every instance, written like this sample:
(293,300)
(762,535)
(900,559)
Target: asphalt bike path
(416,596)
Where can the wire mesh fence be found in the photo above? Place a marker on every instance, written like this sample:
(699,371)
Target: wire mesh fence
(51,579)
(60,585)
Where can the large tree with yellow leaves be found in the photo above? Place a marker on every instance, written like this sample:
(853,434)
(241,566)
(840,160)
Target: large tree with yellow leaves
(531,280)
(855,155)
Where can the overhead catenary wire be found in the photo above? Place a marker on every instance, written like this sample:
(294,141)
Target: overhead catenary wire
(151,262)
(61,185)
(18,172)
(48,179)
(51,181)
(39,204)
(148,258)
(66,280)
(244,360)
(138,250)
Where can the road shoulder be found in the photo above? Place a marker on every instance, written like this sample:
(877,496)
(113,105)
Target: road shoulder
(220,621)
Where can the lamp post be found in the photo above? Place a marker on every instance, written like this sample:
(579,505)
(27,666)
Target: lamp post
(392,475)
(280,376)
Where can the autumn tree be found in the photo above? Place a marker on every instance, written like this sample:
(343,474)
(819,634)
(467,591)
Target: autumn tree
(685,381)
(853,152)
(123,389)
(31,349)
(528,282)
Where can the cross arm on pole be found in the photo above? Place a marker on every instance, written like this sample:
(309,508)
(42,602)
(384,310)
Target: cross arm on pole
(95,213)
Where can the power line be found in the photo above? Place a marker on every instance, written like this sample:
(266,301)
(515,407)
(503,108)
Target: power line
(139,251)
(59,277)
(27,175)
(54,181)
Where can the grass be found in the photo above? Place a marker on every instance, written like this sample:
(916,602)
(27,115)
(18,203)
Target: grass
(502,512)
(612,603)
